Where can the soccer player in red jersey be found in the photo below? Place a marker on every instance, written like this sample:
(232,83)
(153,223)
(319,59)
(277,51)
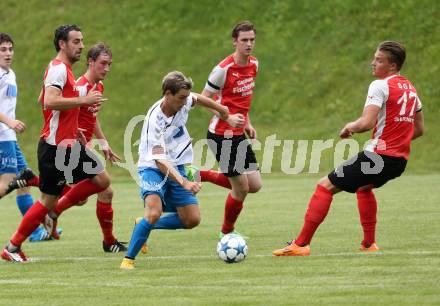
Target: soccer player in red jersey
(232,82)
(99,60)
(394,110)
(12,160)
(60,157)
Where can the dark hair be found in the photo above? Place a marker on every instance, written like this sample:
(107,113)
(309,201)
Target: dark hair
(175,81)
(243,26)
(62,33)
(98,49)
(396,52)
(5,38)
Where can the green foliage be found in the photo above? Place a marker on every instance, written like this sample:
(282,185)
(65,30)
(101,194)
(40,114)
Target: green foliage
(314,60)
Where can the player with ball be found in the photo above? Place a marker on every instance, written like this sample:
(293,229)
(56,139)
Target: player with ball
(164,149)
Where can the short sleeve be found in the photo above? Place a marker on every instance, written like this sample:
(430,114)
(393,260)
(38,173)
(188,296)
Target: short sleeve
(378,93)
(418,104)
(189,102)
(2,79)
(56,76)
(216,79)
(255,61)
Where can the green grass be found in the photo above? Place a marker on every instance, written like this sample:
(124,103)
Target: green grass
(182,268)
(314,60)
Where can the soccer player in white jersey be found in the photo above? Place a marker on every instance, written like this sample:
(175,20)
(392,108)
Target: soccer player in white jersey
(394,110)
(164,149)
(12,160)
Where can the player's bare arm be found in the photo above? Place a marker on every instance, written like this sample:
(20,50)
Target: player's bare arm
(419,125)
(363,123)
(234,120)
(53,99)
(16,125)
(249,129)
(167,169)
(108,153)
(211,104)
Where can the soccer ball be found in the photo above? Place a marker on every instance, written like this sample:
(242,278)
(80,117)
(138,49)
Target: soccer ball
(232,248)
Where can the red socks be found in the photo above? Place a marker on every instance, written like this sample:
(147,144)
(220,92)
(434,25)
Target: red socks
(317,210)
(31,220)
(104,213)
(367,206)
(66,189)
(79,192)
(232,210)
(215,177)
(35,181)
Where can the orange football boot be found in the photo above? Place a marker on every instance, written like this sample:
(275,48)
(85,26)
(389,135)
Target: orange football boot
(293,250)
(372,248)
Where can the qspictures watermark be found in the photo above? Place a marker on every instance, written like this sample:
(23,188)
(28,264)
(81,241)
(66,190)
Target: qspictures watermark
(291,162)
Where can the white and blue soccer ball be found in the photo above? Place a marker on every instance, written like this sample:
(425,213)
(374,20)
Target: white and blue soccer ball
(232,248)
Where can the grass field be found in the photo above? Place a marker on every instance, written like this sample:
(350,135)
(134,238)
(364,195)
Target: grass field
(182,267)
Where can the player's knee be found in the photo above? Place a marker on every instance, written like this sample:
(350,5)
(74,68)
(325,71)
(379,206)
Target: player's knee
(106,196)
(241,189)
(3,188)
(243,192)
(153,216)
(325,182)
(103,180)
(255,187)
(192,222)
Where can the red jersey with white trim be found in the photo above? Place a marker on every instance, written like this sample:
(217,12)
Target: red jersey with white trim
(234,87)
(87,114)
(394,128)
(60,126)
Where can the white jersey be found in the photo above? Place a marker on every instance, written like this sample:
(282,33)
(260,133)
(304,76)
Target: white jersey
(8,101)
(165,137)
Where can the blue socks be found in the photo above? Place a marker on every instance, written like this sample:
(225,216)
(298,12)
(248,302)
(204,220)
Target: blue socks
(140,234)
(142,230)
(169,221)
(24,202)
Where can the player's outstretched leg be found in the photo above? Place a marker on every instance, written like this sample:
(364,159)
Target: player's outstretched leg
(25,178)
(169,221)
(317,210)
(215,177)
(33,217)
(367,206)
(144,249)
(24,202)
(76,194)
(139,236)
